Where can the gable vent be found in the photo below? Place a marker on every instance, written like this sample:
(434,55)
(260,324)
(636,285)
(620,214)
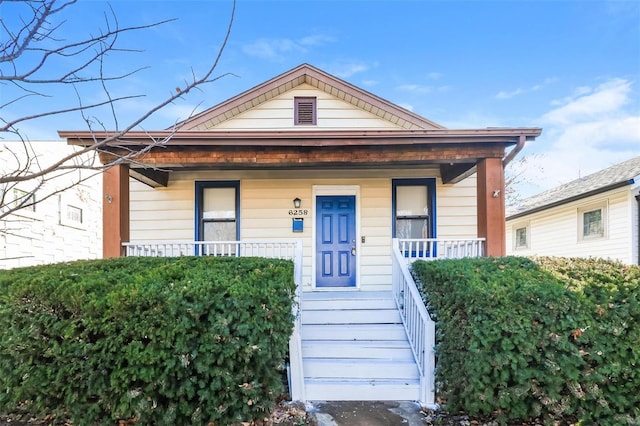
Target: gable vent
(305,111)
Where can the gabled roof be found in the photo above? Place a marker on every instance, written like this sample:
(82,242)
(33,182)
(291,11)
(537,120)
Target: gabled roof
(199,143)
(307,74)
(625,173)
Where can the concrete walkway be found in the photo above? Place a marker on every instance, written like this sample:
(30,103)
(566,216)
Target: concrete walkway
(366,413)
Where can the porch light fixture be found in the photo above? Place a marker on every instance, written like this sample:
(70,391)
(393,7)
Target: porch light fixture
(296,202)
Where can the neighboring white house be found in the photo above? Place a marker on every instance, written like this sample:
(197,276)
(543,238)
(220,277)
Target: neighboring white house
(63,224)
(594,216)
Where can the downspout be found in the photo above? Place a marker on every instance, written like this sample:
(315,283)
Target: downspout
(512,154)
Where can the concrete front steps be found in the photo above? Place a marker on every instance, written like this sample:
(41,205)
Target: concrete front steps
(354,348)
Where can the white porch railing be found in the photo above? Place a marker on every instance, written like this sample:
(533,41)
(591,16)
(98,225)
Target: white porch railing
(271,249)
(438,248)
(421,330)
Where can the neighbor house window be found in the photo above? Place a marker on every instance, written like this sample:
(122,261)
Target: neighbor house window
(592,222)
(217,211)
(521,237)
(304,111)
(74,214)
(24,198)
(413,203)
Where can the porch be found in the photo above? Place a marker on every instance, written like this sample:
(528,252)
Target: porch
(349,345)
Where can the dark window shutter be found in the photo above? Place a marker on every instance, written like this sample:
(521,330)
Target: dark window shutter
(305,111)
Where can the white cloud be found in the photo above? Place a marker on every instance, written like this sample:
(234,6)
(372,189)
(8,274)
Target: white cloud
(278,49)
(272,49)
(316,40)
(507,95)
(503,94)
(415,88)
(346,70)
(590,130)
(607,98)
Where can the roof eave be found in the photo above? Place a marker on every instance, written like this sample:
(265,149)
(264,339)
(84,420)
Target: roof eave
(305,137)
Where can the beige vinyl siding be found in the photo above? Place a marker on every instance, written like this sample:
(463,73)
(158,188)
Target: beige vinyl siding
(332,113)
(457,209)
(556,231)
(266,197)
(162,214)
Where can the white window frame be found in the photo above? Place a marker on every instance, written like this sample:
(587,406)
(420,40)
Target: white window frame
(603,206)
(527,227)
(67,201)
(31,212)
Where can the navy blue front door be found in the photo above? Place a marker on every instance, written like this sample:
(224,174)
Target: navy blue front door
(336,241)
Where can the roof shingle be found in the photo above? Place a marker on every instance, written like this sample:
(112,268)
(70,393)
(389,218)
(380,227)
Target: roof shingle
(603,180)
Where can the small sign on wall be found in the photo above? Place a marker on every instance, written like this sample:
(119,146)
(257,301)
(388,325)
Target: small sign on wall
(297,224)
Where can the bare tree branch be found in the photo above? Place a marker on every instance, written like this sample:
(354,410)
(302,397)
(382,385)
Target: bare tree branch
(36,36)
(519,173)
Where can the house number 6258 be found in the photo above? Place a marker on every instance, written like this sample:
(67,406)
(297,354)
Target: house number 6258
(299,212)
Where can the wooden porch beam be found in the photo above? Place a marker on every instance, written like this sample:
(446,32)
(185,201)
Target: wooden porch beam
(153,178)
(115,210)
(269,157)
(491,214)
(454,173)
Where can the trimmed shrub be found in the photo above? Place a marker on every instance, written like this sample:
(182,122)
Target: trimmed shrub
(550,338)
(165,341)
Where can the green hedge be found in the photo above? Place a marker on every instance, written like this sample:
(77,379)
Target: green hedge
(547,338)
(156,340)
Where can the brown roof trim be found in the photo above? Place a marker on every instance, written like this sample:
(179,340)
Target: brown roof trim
(308,138)
(306,73)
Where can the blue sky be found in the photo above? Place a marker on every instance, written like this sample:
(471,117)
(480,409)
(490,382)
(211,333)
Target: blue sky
(570,67)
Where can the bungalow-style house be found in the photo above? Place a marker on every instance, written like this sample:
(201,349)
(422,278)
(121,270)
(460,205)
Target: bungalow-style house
(352,187)
(51,220)
(594,216)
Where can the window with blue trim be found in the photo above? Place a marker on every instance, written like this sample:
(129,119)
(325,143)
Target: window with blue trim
(414,202)
(217,211)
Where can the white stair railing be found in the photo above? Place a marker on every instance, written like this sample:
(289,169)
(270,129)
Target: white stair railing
(271,249)
(421,330)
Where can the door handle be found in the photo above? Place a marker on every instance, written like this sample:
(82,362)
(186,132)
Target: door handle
(353,251)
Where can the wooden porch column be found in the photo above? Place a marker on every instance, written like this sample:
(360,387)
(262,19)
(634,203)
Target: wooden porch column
(115,210)
(491,215)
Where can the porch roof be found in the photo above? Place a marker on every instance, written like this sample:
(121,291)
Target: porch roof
(204,141)
(496,135)
(456,151)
